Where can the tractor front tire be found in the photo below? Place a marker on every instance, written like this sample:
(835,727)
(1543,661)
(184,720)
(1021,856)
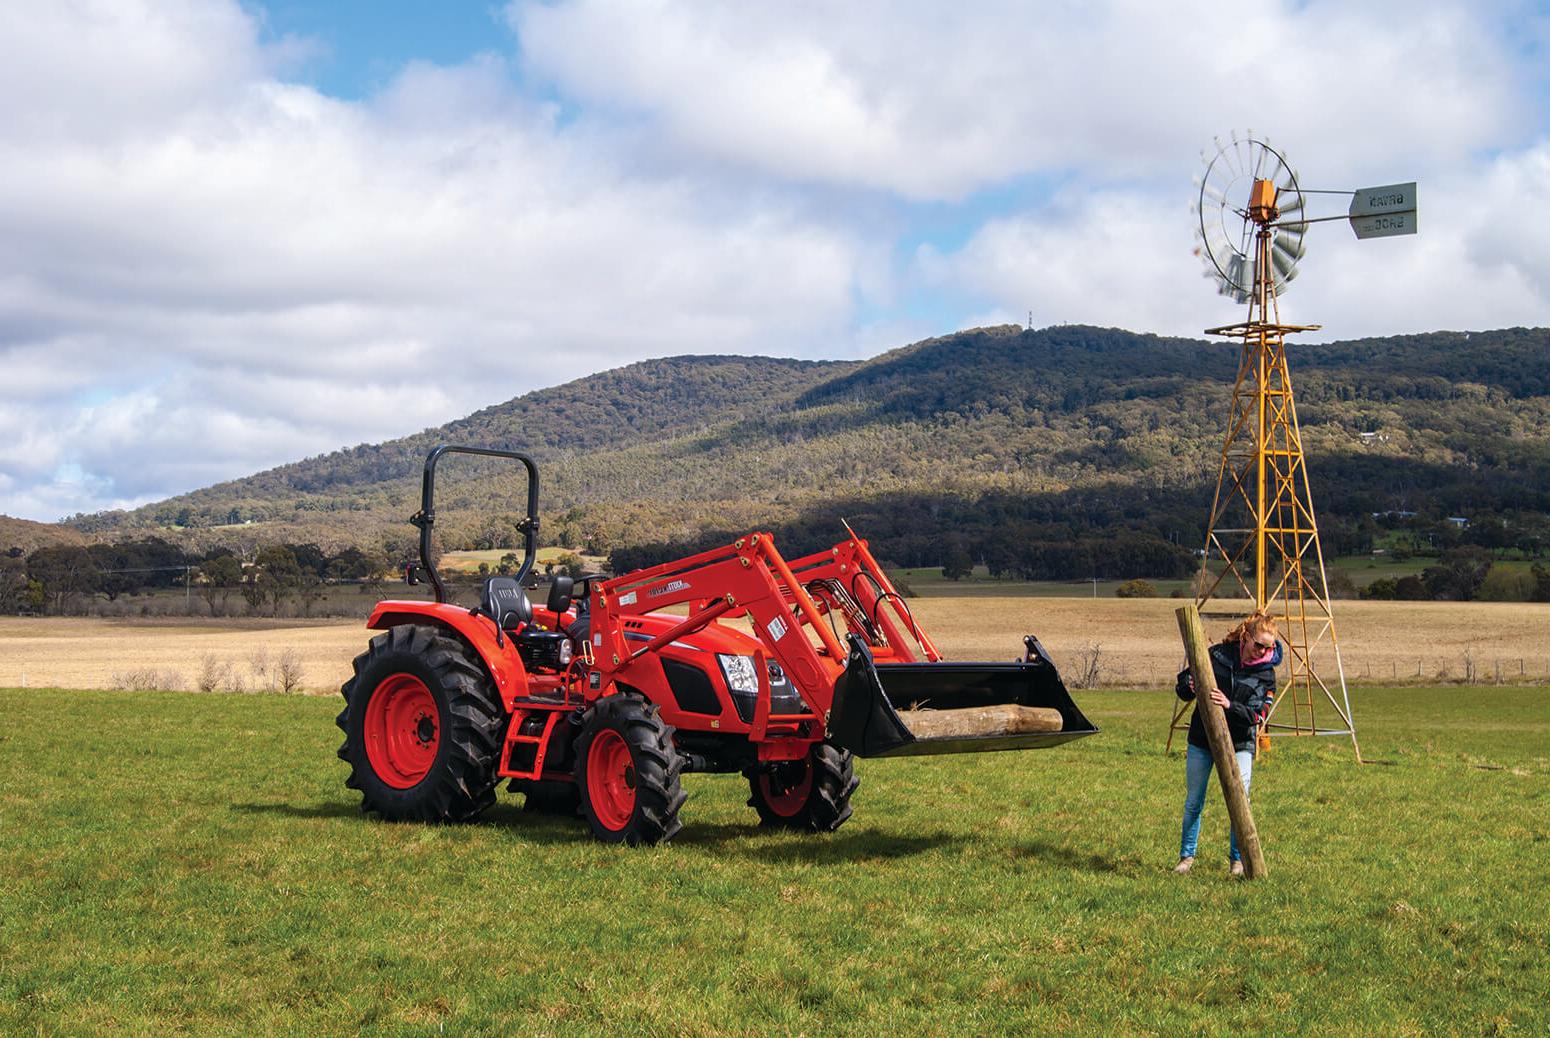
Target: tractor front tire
(811,795)
(628,772)
(422,728)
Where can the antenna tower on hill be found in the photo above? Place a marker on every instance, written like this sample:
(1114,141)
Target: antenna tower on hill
(1262,540)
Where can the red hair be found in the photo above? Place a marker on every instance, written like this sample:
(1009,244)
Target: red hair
(1253,625)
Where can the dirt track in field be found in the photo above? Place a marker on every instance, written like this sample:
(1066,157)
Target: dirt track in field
(1137,643)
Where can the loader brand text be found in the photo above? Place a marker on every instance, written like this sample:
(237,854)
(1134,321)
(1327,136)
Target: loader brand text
(668,588)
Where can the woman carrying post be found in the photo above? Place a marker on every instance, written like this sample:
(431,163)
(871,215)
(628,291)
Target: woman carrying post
(1244,664)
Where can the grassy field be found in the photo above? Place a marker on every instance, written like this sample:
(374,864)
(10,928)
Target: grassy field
(179,864)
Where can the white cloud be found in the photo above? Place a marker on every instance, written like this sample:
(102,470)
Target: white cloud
(1109,258)
(224,272)
(206,270)
(936,101)
(1122,258)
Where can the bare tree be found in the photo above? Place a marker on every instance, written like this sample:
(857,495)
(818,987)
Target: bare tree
(288,670)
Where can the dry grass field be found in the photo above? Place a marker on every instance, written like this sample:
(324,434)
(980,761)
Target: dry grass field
(1135,640)
(64,652)
(1138,641)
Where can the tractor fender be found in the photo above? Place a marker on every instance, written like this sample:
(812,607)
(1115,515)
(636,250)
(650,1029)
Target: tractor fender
(502,661)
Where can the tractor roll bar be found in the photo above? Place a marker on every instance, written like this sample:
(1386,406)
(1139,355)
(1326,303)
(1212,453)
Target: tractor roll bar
(425,518)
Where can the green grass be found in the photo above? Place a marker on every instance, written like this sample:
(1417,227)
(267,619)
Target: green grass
(177,863)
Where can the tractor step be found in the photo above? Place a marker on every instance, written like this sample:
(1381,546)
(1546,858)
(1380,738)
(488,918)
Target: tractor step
(870,698)
(540,741)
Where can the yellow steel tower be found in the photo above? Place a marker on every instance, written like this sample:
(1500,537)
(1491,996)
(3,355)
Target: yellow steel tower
(1262,540)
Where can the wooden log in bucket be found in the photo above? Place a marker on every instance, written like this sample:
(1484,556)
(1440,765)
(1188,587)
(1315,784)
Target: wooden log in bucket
(1001,719)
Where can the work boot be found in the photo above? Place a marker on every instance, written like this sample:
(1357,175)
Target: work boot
(1184,865)
(1236,868)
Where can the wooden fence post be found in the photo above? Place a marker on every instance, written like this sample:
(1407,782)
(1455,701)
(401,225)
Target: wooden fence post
(1215,721)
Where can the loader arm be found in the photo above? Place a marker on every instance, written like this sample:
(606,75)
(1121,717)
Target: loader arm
(863,691)
(747,578)
(851,567)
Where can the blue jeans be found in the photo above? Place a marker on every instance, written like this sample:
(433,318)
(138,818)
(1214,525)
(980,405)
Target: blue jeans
(1198,766)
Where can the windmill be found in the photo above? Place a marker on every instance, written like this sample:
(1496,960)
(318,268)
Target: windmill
(1262,531)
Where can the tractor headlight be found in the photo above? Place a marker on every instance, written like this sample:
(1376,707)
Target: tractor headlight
(739,672)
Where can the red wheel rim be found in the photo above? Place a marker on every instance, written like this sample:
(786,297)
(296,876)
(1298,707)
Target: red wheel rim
(792,798)
(402,730)
(611,779)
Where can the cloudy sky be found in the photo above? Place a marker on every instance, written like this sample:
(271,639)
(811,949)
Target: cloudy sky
(235,234)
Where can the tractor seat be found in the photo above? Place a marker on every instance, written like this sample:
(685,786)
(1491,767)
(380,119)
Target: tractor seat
(505,600)
(560,593)
(564,593)
(580,629)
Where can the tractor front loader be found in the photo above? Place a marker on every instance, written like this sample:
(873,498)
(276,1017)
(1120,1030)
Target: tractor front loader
(732,660)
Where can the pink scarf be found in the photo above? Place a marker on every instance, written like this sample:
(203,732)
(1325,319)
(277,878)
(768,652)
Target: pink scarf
(1264,657)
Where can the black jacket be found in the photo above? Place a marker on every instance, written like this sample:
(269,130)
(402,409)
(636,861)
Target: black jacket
(1249,689)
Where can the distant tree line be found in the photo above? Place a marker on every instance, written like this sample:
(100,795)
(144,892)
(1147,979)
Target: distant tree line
(69,579)
(1466,574)
(1072,536)
(1122,535)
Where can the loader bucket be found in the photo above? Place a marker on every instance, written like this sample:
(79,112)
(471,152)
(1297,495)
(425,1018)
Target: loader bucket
(873,702)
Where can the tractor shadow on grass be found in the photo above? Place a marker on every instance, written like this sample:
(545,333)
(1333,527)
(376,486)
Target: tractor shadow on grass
(536,827)
(324,810)
(771,845)
(1064,857)
(746,841)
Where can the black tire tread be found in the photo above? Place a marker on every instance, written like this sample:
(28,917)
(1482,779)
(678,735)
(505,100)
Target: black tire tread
(462,782)
(828,805)
(659,792)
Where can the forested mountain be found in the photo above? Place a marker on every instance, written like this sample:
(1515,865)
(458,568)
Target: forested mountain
(1044,452)
(24,535)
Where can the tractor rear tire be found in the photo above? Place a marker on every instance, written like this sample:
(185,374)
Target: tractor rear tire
(811,795)
(422,728)
(628,772)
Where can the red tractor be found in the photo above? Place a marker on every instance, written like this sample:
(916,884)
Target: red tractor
(601,699)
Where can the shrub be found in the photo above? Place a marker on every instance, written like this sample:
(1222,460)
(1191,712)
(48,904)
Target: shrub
(1383,588)
(1137,588)
(1089,668)
(1504,585)
(1458,574)
(214,673)
(148,679)
(258,667)
(1541,583)
(1339,584)
(958,563)
(288,671)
